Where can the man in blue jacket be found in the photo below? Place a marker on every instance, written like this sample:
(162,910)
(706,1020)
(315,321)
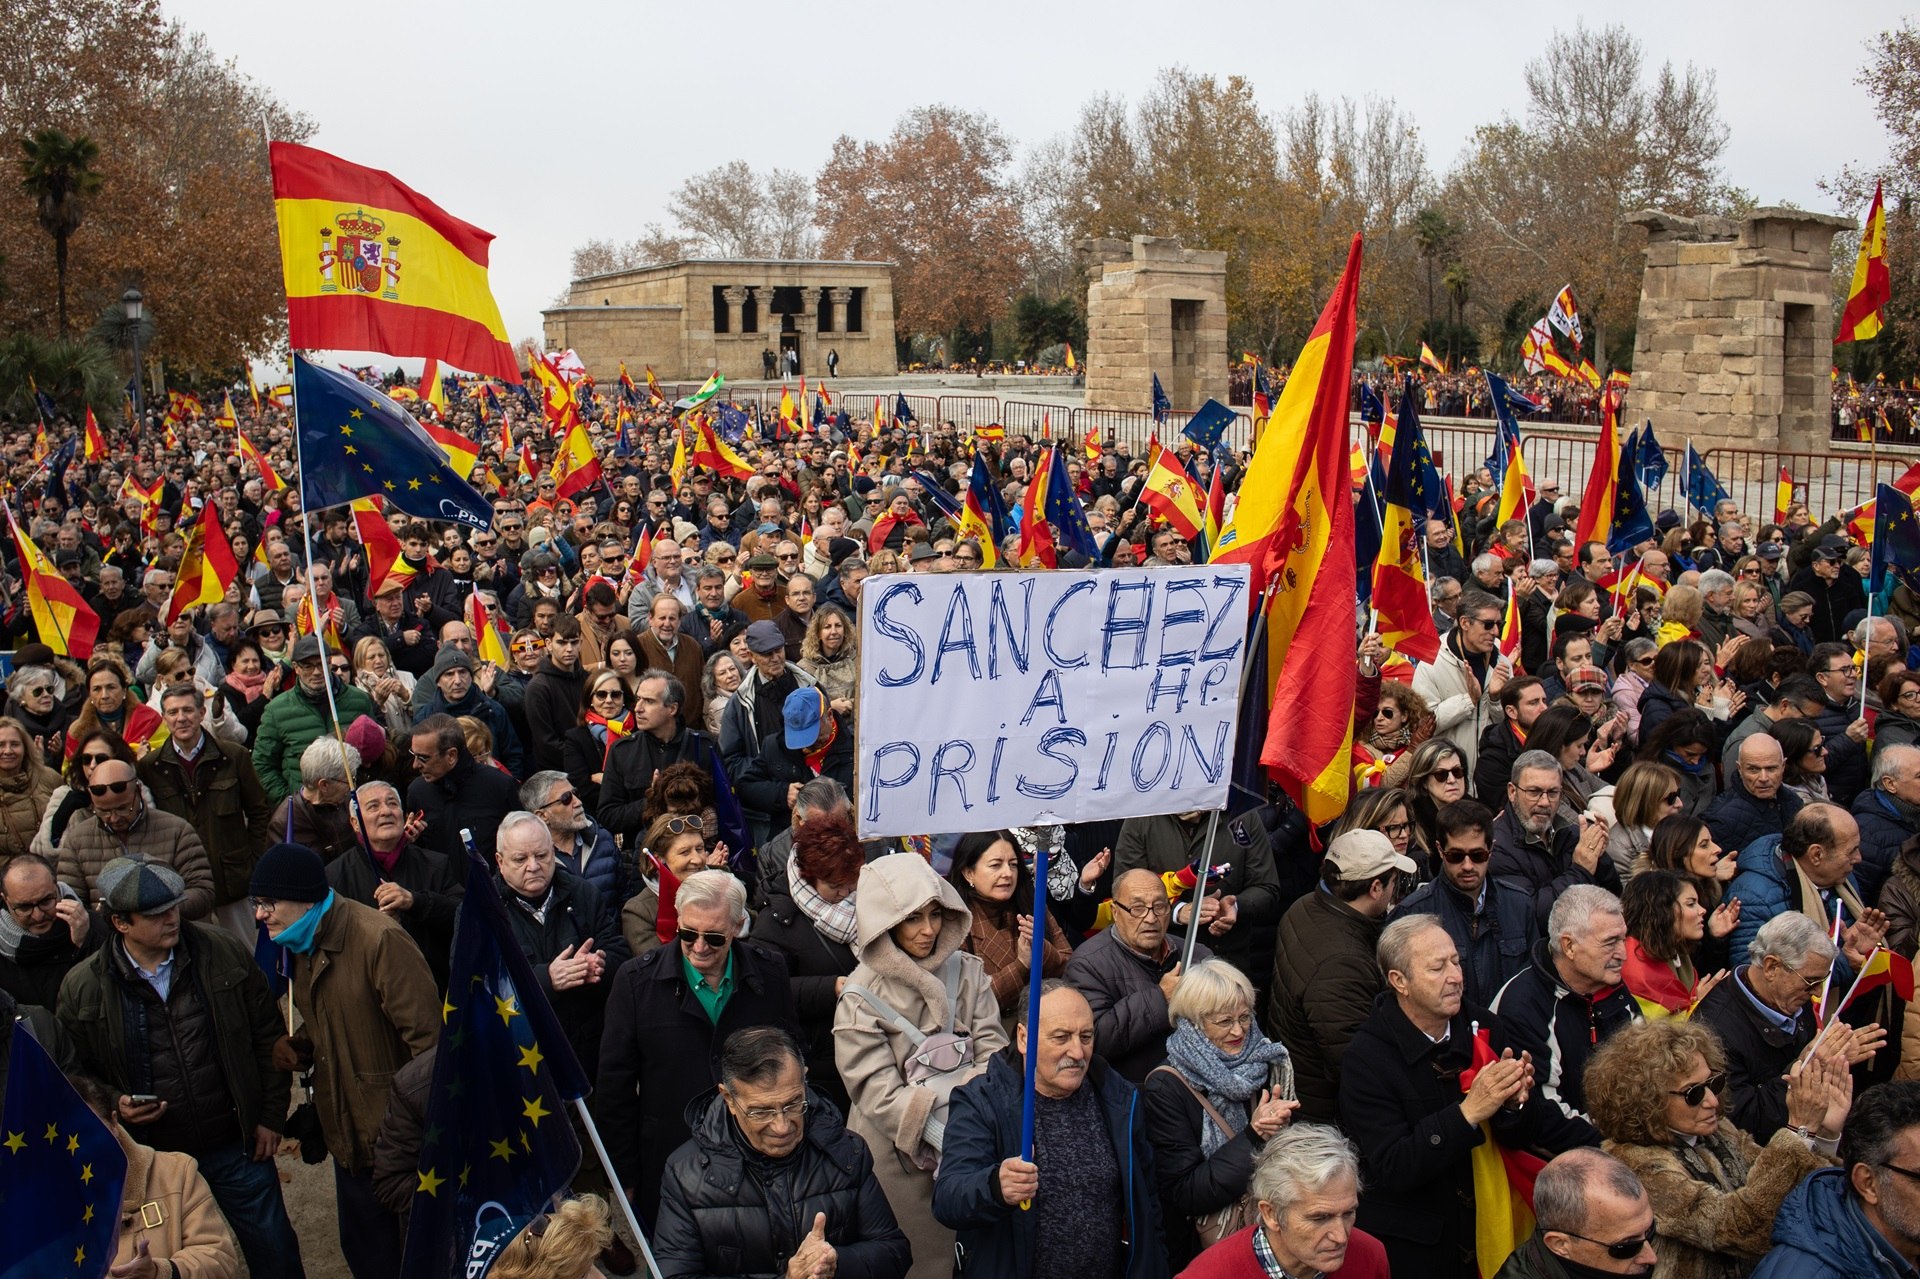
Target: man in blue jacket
(1808,868)
(1756,802)
(1095,1210)
(1862,1219)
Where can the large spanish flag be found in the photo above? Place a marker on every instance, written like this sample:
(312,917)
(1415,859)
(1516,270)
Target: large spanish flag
(1502,1182)
(1294,525)
(373,265)
(61,618)
(1872,286)
(1596,504)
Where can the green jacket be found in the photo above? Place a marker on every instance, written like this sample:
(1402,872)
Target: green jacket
(246,1022)
(290,724)
(225,802)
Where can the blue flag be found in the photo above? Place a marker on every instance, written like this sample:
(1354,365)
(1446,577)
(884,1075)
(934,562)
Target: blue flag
(499,1143)
(937,494)
(1506,437)
(622,446)
(1209,424)
(731,819)
(57,469)
(731,423)
(902,411)
(1632,524)
(1896,542)
(1162,406)
(993,507)
(819,411)
(1366,528)
(355,442)
(1373,409)
(1649,459)
(1064,511)
(61,1173)
(1703,490)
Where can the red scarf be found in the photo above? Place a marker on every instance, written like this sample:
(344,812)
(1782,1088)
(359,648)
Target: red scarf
(666,921)
(816,754)
(616,729)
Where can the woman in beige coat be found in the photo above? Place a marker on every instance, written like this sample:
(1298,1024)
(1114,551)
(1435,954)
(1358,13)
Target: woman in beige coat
(910,933)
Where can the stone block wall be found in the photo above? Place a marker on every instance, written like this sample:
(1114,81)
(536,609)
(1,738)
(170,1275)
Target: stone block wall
(1154,307)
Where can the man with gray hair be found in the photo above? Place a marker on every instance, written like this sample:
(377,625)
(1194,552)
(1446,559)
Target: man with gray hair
(1716,611)
(1568,1000)
(386,870)
(1591,1216)
(316,815)
(1764,1020)
(1889,815)
(580,844)
(669,1012)
(1529,847)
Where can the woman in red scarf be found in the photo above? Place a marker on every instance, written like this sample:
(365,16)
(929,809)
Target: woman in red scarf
(109,707)
(1665,923)
(606,716)
(890,530)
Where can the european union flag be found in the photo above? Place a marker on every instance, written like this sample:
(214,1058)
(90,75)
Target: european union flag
(355,442)
(61,1172)
(1162,406)
(1064,511)
(1367,531)
(819,411)
(731,424)
(1506,401)
(1209,424)
(1896,541)
(1649,459)
(622,446)
(44,405)
(1373,409)
(1632,524)
(498,1143)
(57,469)
(902,411)
(937,494)
(1415,482)
(1703,490)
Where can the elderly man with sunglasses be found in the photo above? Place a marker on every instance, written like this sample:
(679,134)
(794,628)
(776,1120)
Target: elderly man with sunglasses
(670,1011)
(120,824)
(1491,921)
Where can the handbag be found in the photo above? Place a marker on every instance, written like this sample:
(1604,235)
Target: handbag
(940,1062)
(1242,1212)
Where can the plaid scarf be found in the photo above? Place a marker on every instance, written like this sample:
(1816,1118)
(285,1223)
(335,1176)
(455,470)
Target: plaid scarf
(833,919)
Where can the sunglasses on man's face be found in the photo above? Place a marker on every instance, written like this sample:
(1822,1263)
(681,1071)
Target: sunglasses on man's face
(690,937)
(1478,856)
(1622,1249)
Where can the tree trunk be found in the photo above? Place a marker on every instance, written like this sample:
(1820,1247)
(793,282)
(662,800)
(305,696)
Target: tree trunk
(60,270)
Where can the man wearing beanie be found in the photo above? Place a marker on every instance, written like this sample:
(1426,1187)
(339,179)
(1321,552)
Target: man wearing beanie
(180,1012)
(456,694)
(368,1007)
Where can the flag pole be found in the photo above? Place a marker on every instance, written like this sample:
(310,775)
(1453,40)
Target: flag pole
(1200,892)
(619,1192)
(1035,977)
(1827,986)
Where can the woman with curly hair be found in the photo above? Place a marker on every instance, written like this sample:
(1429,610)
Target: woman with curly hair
(1654,1090)
(809,917)
(1401,722)
(1665,925)
(830,652)
(1436,777)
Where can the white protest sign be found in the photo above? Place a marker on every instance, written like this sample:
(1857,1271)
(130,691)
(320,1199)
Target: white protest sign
(990,700)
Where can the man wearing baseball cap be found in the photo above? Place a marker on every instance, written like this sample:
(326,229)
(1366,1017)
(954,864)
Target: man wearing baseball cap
(197,1075)
(1325,976)
(754,721)
(296,717)
(368,1007)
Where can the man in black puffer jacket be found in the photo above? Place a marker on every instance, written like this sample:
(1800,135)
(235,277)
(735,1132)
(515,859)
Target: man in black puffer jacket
(1756,802)
(772,1177)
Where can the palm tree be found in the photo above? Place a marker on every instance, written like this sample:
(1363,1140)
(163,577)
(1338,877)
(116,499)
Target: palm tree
(1458,283)
(1432,232)
(60,176)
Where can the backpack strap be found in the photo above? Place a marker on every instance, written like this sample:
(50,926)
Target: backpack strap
(887,1013)
(1200,1097)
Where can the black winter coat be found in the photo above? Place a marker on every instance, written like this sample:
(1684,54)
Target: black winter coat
(1759,1054)
(1832,601)
(33,972)
(659,1052)
(1883,828)
(1493,762)
(630,772)
(1191,1184)
(727,1210)
(469,797)
(1325,978)
(1736,818)
(1493,942)
(1545,866)
(575,912)
(436,888)
(1847,766)
(552,706)
(1538,1014)
(815,963)
(1657,704)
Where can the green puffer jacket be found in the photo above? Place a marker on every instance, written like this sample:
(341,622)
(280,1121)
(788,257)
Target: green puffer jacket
(290,724)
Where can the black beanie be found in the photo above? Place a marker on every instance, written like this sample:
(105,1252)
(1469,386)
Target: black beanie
(290,872)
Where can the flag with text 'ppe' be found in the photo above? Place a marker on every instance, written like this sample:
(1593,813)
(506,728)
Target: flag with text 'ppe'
(498,1142)
(355,443)
(370,264)
(62,1172)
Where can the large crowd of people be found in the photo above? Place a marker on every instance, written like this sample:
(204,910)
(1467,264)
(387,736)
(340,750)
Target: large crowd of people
(1621,900)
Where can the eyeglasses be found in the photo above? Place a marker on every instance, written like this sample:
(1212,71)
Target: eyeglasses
(609,694)
(1694,1094)
(684,825)
(270,631)
(1488,622)
(1538,792)
(691,937)
(44,905)
(1821,749)
(529,645)
(1397,830)
(46,690)
(1671,798)
(1478,856)
(109,788)
(420,758)
(1146,910)
(1455,774)
(558,800)
(767,1114)
(1241,1021)
(90,761)
(1623,1249)
(263,903)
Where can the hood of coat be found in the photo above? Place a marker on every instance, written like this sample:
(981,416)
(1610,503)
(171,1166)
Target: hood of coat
(892,888)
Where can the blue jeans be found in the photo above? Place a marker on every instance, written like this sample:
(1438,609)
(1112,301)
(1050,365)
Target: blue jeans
(371,1238)
(249,1197)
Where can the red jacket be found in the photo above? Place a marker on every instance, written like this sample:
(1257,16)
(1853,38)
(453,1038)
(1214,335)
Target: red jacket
(1232,1258)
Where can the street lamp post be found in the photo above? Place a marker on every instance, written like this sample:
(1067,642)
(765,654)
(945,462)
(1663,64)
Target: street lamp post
(136,310)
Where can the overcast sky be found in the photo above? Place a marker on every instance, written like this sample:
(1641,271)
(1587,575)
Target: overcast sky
(552,124)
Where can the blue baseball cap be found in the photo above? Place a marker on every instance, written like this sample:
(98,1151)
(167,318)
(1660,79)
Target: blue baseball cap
(801,713)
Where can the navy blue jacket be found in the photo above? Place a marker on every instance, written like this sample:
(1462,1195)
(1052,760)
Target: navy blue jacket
(1736,818)
(983,1128)
(1883,828)
(1847,767)
(1493,944)
(1820,1233)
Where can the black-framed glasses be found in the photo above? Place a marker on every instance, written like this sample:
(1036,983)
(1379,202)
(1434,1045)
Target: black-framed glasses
(1694,1094)
(1671,798)
(613,694)
(263,903)
(1454,774)
(689,937)
(1478,856)
(1488,622)
(1397,830)
(109,788)
(1620,1249)
(1146,910)
(43,905)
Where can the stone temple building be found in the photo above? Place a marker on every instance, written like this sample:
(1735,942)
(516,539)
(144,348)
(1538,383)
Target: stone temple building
(1154,307)
(687,319)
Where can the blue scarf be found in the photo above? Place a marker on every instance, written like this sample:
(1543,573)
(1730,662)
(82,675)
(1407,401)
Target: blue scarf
(1695,770)
(299,936)
(1228,1083)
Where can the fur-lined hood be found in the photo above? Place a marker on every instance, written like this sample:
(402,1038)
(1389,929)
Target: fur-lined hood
(892,888)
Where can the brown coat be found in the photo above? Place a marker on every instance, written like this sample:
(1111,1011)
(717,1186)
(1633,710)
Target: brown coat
(1718,1228)
(23,802)
(594,641)
(994,937)
(167,1203)
(162,837)
(367,999)
(687,665)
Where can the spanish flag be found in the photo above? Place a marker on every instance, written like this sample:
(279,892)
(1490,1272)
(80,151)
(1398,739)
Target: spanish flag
(979,513)
(1502,1182)
(1516,491)
(1872,286)
(1216,512)
(253,454)
(1883,968)
(1092,446)
(1171,494)
(372,265)
(433,389)
(491,645)
(207,566)
(1399,595)
(225,418)
(1071,366)
(61,618)
(1782,496)
(461,452)
(95,442)
(1036,536)
(1596,504)
(1294,525)
(382,547)
(1510,625)
(557,400)
(576,467)
(1432,361)
(710,450)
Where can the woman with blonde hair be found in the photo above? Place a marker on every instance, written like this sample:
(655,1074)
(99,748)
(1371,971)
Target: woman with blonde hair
(389,686)
(1680,615)
(1655,1090)
(830,652)
(26,784)
(109,706)
(1386,809)
(1648,792)
(563,1244)
(175,666)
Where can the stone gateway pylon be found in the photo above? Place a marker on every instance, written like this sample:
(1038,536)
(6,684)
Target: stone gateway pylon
(1154,307)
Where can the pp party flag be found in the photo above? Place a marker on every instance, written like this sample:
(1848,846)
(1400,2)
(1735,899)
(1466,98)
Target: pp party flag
(207,566)
(1564,315)
(96,443)
(355,442)
(1171,494)
(1207,426)
(1872,285)
(1294,525)
(1036,539)
(1632,524)
(1502,1181)
(1070,364)
(370,264)
(1162,406)
(251,451)
(1703,490)
(1896,542)
(226,418)
(499,1144)
(461,452)
(1399,578)
(1595,523)
(576,467)
(491,644)
(1432,361)
(62,1171)
(61,619)
(981,514)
